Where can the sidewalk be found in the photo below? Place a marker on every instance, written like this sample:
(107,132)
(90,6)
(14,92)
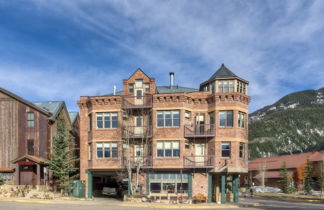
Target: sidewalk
(114,202)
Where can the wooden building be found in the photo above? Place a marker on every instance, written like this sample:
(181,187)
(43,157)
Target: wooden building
(26,133)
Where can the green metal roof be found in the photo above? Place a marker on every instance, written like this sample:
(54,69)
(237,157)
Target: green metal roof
(53,107)
(73,116)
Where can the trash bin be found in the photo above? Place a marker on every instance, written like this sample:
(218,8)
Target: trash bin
(78,189)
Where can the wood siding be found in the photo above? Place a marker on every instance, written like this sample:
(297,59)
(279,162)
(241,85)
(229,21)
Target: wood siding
(8,131)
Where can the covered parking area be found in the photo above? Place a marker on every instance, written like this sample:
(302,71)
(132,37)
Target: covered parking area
(99,182)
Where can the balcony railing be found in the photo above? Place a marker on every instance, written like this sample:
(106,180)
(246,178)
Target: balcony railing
(136,102)
(207,161)
(135,132)
(203,130)
(141,161)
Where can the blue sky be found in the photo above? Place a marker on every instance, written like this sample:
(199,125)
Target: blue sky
(60,50)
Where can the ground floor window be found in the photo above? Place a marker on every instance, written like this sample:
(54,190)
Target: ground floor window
(169,183)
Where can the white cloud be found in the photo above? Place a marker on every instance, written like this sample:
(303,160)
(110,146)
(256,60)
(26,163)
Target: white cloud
(261,42)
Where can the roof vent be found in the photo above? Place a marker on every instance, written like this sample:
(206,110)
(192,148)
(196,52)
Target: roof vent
(171,79)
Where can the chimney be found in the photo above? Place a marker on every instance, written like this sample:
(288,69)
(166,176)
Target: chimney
(114,90)
(171,79)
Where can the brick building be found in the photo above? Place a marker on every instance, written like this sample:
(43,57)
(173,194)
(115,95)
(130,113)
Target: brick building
(26,136)
(168,140)
(266,171)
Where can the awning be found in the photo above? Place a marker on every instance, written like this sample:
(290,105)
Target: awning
(28,159)
(7,170)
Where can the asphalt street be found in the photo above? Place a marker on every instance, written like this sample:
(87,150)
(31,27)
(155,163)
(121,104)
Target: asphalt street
(111,204)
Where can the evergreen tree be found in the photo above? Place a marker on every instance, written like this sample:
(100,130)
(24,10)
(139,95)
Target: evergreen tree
(308,183)
(284,179)
(61,162)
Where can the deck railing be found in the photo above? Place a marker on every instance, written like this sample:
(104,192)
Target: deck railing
(140,161)
(206,161)
(202,130)
(136,102)
(137,132)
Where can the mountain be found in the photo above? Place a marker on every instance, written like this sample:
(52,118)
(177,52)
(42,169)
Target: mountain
(293,124)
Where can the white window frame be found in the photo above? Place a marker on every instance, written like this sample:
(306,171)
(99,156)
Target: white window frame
(107,114)
(164,119)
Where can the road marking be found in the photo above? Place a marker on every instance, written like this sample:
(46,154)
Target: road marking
(179,206)
(26,201)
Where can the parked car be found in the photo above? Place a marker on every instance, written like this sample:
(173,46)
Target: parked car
(109,191)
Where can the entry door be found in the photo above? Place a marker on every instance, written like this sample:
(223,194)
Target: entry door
(139,97)
(200,124)
(27,175)
(138,126)
(139,154)
(200,153)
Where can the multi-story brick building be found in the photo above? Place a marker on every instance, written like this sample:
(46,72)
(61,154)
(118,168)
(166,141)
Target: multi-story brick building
(174,140)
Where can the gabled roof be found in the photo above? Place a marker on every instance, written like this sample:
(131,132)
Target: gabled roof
(6,92)
(139,69)
(174,89)
(53,107)
(73,116)
(33,158)
(223,73)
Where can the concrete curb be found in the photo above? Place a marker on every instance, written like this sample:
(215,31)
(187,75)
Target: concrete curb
(26,201)
(193,206)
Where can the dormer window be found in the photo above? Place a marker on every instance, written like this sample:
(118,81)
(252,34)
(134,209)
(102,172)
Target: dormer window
(139,83)
(131,88)
(147,88)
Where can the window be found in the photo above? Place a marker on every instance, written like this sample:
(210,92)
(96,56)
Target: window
(187,114)
(89,122)
(89,152)
(168,149)
(107,120)
(226,118)
(131,88)
(30,120)
(225,86)
(212,87)
(169,182)
(168,118)
(107,150)
(139,121)
(242,145)
(147,88)
(241,87)
(139,83)
(211,118)
(30,147)
(226,149)
(241,119)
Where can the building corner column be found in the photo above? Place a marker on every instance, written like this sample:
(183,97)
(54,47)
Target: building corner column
(38,179)
(90,184)
(236,188)
(223,196)
(210,190)
(190,185)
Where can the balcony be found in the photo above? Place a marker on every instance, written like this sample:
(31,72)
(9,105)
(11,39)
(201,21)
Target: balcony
(137,102)
(207,161)
(137,132)
(141,161)
(203,130)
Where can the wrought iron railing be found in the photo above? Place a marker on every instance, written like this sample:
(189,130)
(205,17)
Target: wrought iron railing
(135,102)
(206,161)
(140,161)
(137,132)
(202,130)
